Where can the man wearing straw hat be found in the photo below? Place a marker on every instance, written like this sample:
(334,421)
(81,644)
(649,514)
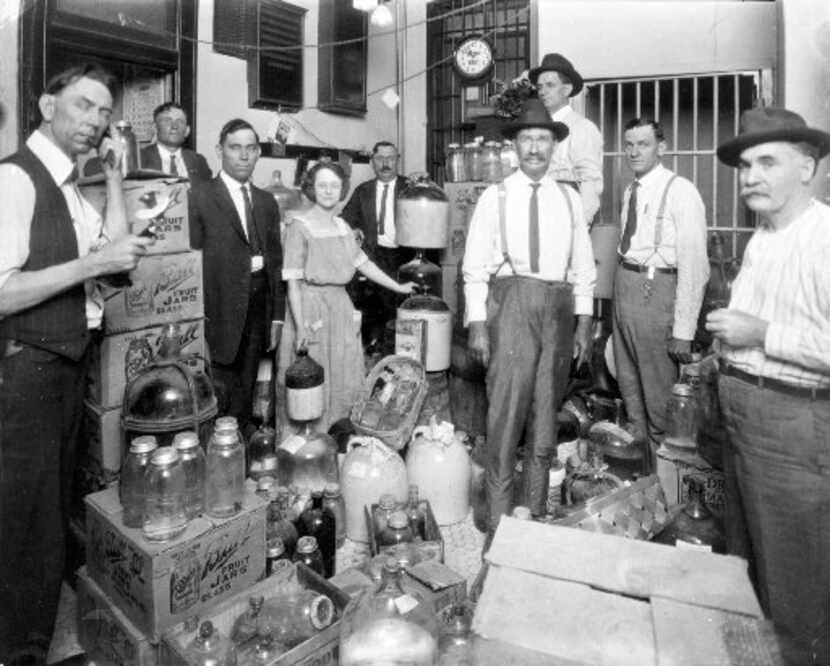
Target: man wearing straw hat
(528,269)
(775,378)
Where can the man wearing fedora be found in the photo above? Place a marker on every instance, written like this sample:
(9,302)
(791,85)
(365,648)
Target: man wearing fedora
(528,271)
(774,383)
(578,157)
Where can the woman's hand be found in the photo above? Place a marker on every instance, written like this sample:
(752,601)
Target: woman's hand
(406,287)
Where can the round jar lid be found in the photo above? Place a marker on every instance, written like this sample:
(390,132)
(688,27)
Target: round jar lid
(164,455)
(225,438)
(387,501)
(682,390)
(226,423)
(398,520)
(185,440)
(143,444)
(306,545)
(276,547)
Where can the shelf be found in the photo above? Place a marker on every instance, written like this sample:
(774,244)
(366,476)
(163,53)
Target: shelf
(293,151)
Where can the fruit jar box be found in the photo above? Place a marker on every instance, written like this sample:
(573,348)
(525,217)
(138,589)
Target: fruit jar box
(165,289)
(121,356)
(166,197)
(157,585)
(104,435)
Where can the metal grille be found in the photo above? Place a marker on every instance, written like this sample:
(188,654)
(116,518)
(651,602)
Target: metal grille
(697,113)
(506,24)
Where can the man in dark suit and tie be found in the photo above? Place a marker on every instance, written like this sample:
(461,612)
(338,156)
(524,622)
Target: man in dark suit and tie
(371,211)
(167,154)
(236,225)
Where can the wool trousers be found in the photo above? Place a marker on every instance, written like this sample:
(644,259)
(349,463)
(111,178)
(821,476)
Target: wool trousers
(531,327)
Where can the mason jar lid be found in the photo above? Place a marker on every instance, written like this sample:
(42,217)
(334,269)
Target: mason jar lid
(387,501)
(682,390)
(306,545)
(226,423)
(143,444)
(185,440)
(331,489)
(276,547)
(225,438)
(398,520)
(164,455)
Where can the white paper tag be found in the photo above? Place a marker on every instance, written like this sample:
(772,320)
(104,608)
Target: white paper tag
(292,444)
(358,470)
(651,271)
(699,547)
(405,603)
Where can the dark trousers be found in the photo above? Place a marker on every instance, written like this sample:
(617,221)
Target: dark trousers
(235,381)
(779,478)
(643,321)
(530,325)
(41,404)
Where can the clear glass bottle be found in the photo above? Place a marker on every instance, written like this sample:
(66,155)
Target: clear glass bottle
(229,423)
(131,490)
(193,463)
(682,418)
(472,161)
(164,514)
(262,454)
(210,648)
(388,625)
(333,501)
(309,554)
(416,514)
(695,526)
(225,477)
(274,552)
(307,460)
(318,522)
(294,616)
(454,167)
(398,530)
(387,505)
(245,627)
(491,162)
(455,647)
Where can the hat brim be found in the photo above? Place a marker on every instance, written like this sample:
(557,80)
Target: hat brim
(729,152)
(560,130)
(572,74)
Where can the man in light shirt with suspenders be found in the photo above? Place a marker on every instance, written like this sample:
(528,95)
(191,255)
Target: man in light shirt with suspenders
(659,284)
(774,386)
(528,273)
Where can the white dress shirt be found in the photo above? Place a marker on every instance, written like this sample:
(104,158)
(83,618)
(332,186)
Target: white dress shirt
(682,245)
(235,190)
(565,247)
(168,156)
(785,280)
(578,158)
(17,192)
(388,238)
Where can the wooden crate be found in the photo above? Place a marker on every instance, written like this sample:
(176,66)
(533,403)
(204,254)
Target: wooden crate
(430,548)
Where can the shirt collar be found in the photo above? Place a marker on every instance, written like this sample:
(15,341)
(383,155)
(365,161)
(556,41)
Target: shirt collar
(654,175)
(57,162)
(523,178)
(232,184)
(163,150)
(561,113)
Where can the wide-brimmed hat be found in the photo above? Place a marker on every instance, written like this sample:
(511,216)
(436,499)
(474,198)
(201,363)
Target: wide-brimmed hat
(766,124)
(534,114)
(556,62)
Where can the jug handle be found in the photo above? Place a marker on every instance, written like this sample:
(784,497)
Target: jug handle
(419,431)
(356,440)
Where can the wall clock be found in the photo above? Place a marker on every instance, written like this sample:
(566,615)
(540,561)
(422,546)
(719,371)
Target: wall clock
(473,59)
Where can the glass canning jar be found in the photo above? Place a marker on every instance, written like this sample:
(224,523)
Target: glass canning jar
(164,513)
(472,161)
(455,171)
(131,489)
(682,417)
(225,478)
(193,463)
(491,162)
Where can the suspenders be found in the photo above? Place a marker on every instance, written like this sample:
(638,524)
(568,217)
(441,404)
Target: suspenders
(661,214)
(502,194)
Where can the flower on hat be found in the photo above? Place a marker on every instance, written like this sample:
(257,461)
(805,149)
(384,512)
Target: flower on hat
(509,98)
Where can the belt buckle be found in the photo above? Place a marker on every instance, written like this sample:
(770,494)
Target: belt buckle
(648,283)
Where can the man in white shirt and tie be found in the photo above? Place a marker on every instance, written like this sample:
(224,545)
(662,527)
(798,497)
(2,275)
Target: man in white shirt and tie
(529,276)
(167,154)
(774,387)
(659,284)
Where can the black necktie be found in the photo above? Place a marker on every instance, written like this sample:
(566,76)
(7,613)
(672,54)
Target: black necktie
(382,218)
(250,227)
(533,230)
(72,178)
(174,168)
(630,218)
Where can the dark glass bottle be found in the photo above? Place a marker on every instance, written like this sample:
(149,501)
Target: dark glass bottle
(280,525)
(416,514)
(309,554)
(318,521)
(695,526)
(333,501)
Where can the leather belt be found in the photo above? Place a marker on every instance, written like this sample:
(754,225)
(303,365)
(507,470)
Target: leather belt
(642,268)
(776,385)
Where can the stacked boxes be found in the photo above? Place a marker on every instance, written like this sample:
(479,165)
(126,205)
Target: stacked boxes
(166,288)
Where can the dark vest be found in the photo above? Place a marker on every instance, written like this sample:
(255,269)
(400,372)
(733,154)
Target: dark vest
(57,324)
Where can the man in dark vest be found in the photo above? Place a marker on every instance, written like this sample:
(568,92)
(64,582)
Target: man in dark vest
(54,245)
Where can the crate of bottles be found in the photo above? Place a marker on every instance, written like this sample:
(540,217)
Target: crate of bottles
(276,631)
(429,544)
(157,585)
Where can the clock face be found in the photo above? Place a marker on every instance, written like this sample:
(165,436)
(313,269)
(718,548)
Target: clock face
(473,58)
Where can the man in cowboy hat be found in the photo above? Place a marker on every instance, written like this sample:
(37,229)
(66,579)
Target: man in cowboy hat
(775,378)
(528,269)
(578,157)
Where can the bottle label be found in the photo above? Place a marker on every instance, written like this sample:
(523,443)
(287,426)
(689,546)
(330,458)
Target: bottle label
(686,545)
(293,444)
(405,603)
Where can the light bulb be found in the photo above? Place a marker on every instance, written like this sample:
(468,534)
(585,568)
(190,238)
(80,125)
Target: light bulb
(365,5)
(382,16)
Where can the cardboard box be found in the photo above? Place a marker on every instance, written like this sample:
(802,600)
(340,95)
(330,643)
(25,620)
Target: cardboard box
(439,585)
(673,466)
(172,225)
(105,438)
(432,547)
(121,356)
(157,585)
(165,289)
(321,650)
(105,633)
(615,601)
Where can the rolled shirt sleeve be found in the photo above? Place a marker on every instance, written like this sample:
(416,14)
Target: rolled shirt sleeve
(582,271)
(18,195)
(689,216)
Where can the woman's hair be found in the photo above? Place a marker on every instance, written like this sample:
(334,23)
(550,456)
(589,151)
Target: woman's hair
(311,174)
